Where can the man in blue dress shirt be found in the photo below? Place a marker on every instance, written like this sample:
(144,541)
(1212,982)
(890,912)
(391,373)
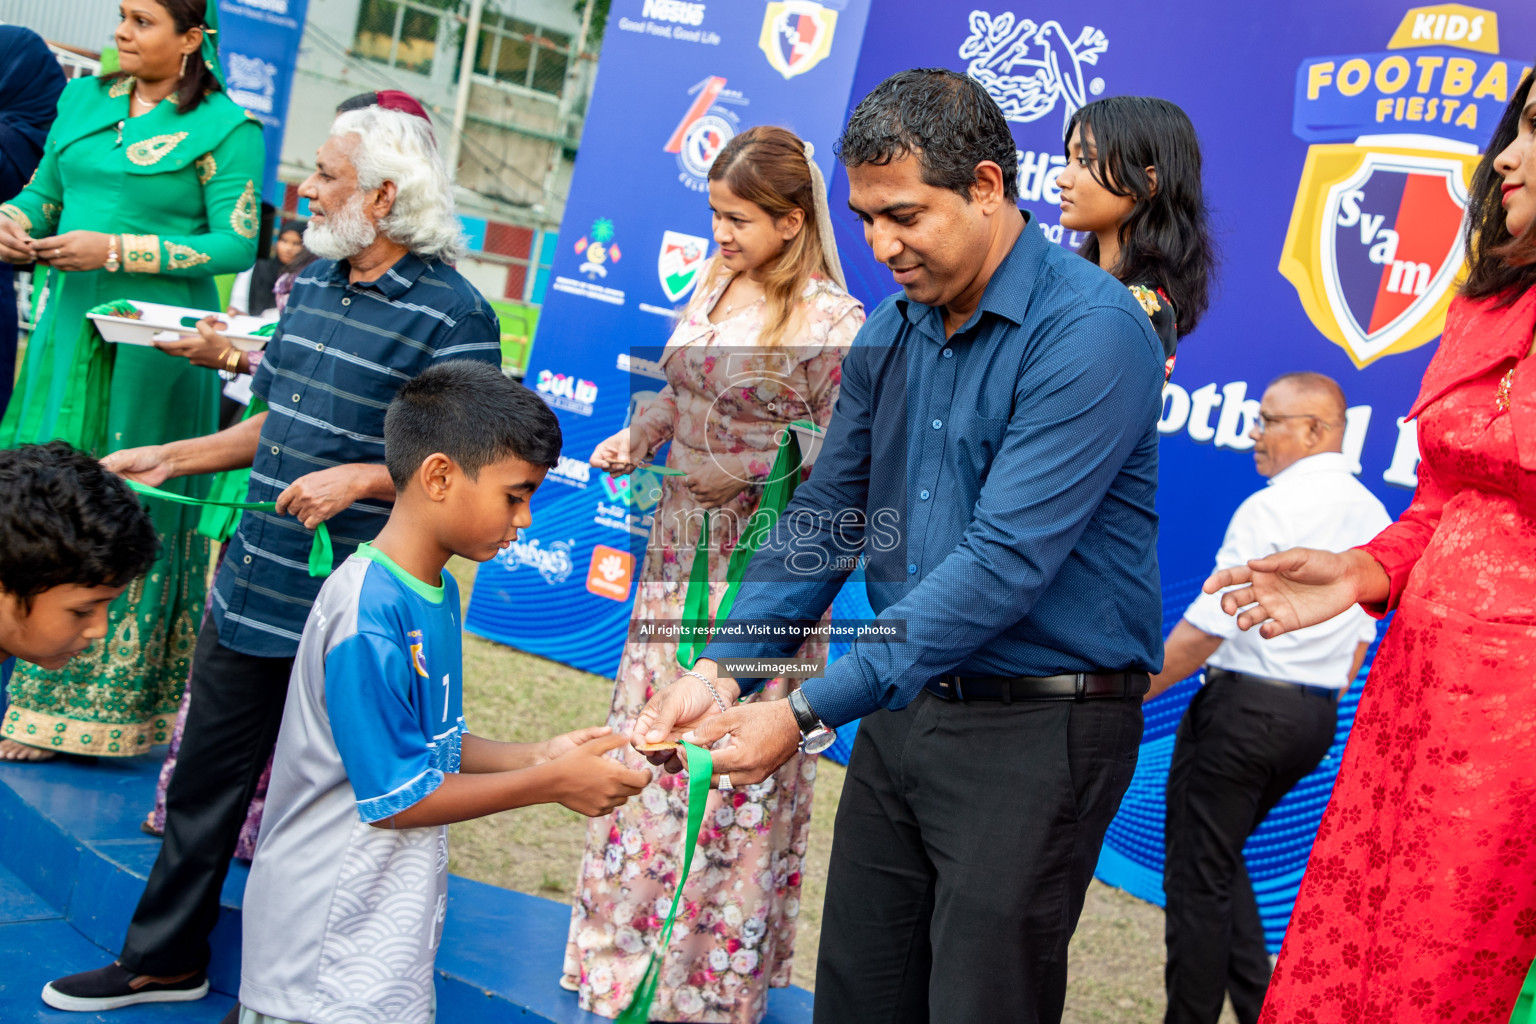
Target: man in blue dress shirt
(1002,412)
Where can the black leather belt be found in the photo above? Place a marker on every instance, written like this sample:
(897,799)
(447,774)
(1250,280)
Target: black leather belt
(1307,689)
(1070,686)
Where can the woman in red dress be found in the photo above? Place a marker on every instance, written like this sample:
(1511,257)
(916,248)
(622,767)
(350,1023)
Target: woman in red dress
(1419,901)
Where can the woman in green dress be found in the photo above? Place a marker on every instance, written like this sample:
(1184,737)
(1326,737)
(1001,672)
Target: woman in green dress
(147,188)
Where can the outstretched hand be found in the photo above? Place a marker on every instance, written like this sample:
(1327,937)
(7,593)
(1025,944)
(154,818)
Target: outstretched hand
(620,453)
(671,711)
(1292,589)
(559,746)
(148,465)
(592,783)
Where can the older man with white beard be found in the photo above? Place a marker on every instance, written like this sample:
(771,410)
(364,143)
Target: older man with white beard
(381,305)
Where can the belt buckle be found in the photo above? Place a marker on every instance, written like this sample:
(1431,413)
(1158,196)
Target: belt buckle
(951,687)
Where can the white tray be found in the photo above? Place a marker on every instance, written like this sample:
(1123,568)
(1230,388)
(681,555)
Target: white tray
(161,322)
(810,442)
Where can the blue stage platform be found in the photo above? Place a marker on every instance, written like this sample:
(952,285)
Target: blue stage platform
(73,863)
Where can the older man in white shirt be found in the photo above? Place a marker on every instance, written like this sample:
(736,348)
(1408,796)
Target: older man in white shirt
(1267,712)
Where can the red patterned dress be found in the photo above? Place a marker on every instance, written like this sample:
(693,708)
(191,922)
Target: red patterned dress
(1419,902)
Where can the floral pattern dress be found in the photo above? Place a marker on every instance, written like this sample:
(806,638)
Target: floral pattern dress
(1165,320)
(1419,900)
(725,401)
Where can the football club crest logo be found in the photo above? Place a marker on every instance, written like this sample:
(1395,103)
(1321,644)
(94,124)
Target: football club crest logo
(419,659)
(706,127)
(797,35)
(679,261)
(1374,245)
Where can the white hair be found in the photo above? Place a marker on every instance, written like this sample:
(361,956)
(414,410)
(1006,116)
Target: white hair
(398,147)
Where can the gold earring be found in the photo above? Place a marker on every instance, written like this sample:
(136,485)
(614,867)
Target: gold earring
(184,65)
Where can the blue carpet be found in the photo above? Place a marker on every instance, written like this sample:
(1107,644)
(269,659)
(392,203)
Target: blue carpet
(73,862)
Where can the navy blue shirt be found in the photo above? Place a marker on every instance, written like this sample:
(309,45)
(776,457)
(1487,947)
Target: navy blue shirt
(1006,478)
(330,371)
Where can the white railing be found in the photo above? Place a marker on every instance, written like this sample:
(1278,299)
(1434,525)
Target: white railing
(75,65)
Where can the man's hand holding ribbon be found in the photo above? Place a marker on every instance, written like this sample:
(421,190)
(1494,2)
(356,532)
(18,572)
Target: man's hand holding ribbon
(762,736)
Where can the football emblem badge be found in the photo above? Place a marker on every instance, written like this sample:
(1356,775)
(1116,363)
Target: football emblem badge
(678,263)
(797,35)
(1374,245)
(706,127)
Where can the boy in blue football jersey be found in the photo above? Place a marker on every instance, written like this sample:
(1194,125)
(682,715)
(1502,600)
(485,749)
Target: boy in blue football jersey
(345,902)
(72,537)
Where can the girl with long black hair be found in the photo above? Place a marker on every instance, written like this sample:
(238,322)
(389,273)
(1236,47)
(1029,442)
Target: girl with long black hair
(1132,185)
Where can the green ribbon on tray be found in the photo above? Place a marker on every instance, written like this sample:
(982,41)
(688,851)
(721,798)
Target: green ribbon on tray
(117,307)
(780,488)
(701,770)
(321,557)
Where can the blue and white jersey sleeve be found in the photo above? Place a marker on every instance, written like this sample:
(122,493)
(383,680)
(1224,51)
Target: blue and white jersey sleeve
(390,762)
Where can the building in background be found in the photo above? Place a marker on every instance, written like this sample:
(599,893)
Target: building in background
(511,131)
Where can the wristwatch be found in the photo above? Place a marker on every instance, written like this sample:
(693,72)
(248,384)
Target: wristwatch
(113,262)
(814,734)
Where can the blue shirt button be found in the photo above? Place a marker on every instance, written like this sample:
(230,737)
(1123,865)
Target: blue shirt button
(949,353)
(912,570)
(923,495)
(937,424)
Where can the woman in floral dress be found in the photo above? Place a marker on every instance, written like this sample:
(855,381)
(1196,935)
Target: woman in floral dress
(759,346)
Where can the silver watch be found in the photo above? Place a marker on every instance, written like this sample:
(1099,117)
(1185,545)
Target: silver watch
(815,736)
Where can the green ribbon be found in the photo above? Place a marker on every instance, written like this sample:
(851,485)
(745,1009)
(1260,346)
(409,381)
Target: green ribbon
(218,521)
(701,770)
(780,488)
(321,557)
(117,307)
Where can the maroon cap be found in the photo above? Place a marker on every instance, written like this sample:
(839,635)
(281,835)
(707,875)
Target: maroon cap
(394,99)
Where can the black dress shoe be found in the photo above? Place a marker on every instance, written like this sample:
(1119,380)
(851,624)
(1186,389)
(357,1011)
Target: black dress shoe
(113,986)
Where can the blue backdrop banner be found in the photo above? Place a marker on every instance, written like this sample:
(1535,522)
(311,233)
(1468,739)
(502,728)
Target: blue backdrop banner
(1338,147)
(258,46)
(678,80)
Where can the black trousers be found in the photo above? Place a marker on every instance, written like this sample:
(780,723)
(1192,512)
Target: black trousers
(964,844)
(1240,747)
(237,706)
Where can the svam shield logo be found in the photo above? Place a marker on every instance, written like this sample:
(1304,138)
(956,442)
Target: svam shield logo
(679,261)
(797,34)
(1374,245)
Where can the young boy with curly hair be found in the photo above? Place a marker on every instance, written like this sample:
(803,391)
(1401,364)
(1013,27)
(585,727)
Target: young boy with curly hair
(72,537)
